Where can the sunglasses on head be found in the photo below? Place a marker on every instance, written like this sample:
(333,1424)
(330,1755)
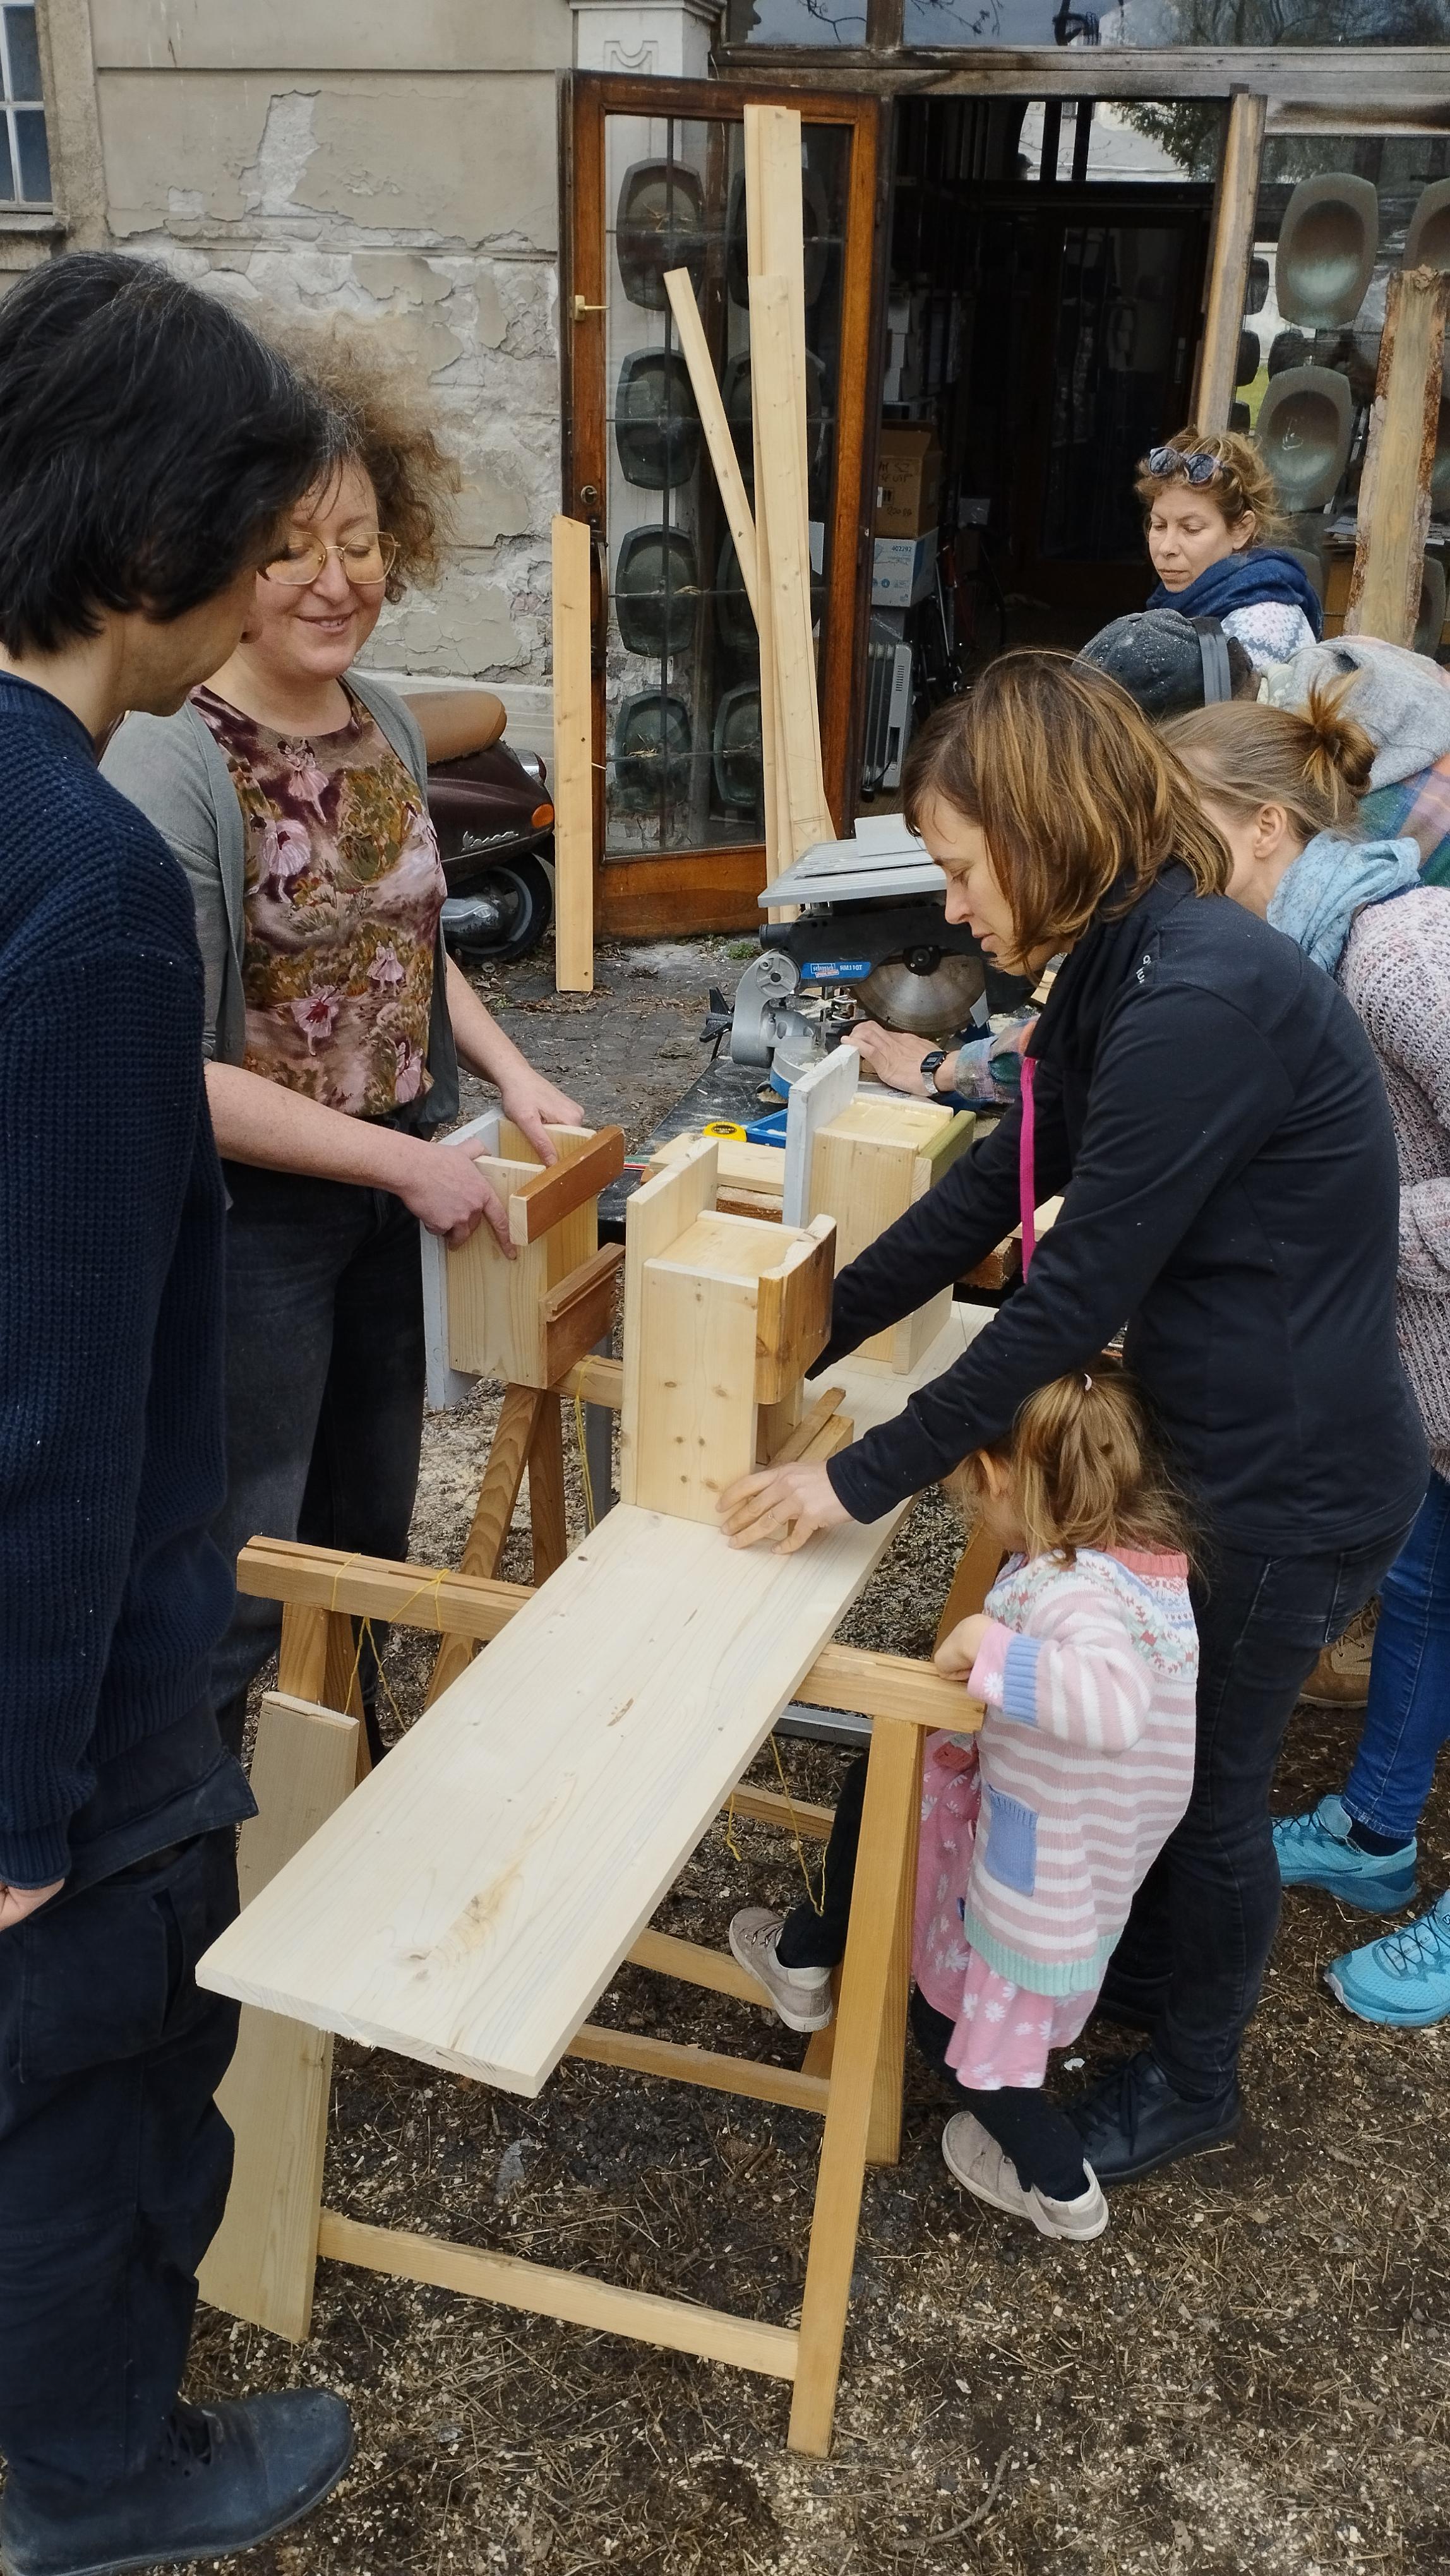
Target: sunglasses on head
(1194,463)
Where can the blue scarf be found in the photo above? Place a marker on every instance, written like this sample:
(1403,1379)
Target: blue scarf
(1241,581)
(1315,900)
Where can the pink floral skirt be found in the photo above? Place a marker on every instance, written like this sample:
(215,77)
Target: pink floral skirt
(1004,2033)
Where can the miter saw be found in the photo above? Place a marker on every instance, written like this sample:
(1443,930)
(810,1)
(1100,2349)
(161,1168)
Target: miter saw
(871,941)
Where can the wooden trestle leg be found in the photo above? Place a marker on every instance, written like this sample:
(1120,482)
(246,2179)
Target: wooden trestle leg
(518,1421)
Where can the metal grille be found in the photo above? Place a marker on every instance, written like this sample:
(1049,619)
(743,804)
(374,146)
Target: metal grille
(24,152)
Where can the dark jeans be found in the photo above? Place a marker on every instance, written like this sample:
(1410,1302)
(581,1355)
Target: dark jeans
(1192,1957)
(325,1378)
(114,2161)
(1408,1717)
(1041,2141)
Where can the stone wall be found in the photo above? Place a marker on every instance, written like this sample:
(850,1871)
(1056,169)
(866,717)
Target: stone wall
(394,161)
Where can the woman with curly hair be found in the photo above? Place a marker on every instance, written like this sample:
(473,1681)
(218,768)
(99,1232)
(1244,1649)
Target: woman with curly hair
(292,789)
(1209,505)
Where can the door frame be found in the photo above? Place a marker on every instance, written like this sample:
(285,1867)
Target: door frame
(716,889)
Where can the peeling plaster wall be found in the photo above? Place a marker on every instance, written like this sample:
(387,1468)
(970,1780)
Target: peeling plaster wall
(410,184)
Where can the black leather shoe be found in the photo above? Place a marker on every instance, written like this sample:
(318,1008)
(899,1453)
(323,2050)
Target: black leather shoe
(1133,2121)
(225,2477)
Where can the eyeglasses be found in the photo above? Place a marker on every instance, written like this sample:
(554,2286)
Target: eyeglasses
(1194,463)
(366,560)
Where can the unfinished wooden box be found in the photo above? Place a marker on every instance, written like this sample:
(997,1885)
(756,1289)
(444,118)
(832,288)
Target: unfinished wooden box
(873,1161)
(722,1316)
(527,1320)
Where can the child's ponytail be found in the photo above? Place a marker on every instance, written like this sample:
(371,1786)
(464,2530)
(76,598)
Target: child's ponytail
(1315,761)
(1085,1470)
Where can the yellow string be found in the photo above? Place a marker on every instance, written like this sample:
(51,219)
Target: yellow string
(364,1628)
(817,1902)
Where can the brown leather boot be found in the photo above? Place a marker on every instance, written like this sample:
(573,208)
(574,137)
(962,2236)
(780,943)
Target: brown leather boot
(1340,1679)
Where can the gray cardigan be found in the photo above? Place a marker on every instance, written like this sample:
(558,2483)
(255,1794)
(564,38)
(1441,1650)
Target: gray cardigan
(175,770)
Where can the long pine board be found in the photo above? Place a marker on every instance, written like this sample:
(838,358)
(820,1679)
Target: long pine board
(474,1896)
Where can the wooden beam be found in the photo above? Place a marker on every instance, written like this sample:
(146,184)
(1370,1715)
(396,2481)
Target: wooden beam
(1228,259)
(261,2261)
(1394,491)
(559,1189)
(694,1965)
(781,505)
(772,1807)
(894,1686)
(573,781)
(778,854)
(1401,87)
(417,1596)
(734,499)
(576,2300)
(595,1380)
(640,2054)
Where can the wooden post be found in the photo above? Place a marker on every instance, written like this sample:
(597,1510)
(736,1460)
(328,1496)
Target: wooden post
(261,2261)
(1394,491)
(888,1838)
(573,761)
(1228,262)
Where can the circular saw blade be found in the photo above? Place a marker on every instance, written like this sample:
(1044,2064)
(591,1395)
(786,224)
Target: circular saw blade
(926,1006)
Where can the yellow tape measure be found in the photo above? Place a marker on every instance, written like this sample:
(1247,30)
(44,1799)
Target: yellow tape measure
(724,1127)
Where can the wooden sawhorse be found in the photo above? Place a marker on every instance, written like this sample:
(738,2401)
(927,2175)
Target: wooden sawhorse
(262,2262)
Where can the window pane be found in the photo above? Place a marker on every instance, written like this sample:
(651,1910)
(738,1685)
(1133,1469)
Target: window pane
(7,175)
(24,53)
(1177,22)
(30,144)
(796,22)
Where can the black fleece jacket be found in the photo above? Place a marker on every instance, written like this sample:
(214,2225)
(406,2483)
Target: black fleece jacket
(1211,1110)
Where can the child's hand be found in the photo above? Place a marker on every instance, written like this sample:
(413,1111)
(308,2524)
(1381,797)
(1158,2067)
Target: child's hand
(961,1646)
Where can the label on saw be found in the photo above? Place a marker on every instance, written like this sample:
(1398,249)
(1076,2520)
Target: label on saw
(835,970)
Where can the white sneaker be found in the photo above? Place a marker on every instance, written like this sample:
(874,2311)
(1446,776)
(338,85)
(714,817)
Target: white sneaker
(801,1996)
(990,2175)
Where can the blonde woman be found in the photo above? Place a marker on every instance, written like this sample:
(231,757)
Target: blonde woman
(1209,1107)
(292,788)
(1210,512)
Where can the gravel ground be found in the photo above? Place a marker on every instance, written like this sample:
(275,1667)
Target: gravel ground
(1252,2369)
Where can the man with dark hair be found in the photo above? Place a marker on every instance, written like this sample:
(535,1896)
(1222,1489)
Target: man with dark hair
(1169,663)
(148,446)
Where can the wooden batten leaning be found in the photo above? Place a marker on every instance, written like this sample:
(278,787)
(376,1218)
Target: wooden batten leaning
(461,1962)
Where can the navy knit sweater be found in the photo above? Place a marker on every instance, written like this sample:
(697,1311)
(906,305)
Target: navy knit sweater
(111,1212)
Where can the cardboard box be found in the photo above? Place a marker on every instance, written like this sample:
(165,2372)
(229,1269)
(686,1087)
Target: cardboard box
(902,570)
(908,479)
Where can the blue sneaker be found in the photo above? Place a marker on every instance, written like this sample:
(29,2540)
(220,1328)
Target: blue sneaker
(1315,1851)
(1403,1979)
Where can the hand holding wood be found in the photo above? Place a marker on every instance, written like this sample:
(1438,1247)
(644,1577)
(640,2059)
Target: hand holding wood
(535,1104)
(797,1501)
(961,1646)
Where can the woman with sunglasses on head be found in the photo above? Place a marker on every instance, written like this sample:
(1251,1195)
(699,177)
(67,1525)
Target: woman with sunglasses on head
(1209,505)
(292,789)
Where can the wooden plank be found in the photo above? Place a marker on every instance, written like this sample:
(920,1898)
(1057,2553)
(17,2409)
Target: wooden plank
(799,1440)
(888,1845)
(659,1212)
(782,506)
(794,1815)
(677,2325)
(638,2054)
(793,1311)
(573,780)
(475,1896)
(518,1421)
(734,499)
(417,1596)
(1394,491)
(546,1491)
(778,854)
(694,1965)
(274,2095)
(580,1311)
(1235,207)
(595,1380)
(816,1101)
(558,1189)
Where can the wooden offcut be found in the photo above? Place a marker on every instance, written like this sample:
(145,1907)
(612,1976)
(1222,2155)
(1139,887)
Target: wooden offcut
(573,781)
(1394,491)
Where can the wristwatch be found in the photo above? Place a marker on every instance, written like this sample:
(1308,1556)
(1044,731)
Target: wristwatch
(930,1065)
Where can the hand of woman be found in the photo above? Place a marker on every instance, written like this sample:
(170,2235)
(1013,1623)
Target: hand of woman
(897,1058)
(795,1500)
(536,1104)
(17,1902)
(447,1192)
(961,1646)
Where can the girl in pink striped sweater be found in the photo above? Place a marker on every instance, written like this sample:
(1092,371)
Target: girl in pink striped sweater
(1037,1830)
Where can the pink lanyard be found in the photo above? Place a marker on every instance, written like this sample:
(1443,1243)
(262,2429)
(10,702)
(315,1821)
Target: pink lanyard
(1027,1165)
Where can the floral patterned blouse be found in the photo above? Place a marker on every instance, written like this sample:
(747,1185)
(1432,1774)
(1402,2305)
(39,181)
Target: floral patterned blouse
(344,888)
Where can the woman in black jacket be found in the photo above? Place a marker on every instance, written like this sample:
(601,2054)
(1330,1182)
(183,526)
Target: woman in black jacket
(1208,1105)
